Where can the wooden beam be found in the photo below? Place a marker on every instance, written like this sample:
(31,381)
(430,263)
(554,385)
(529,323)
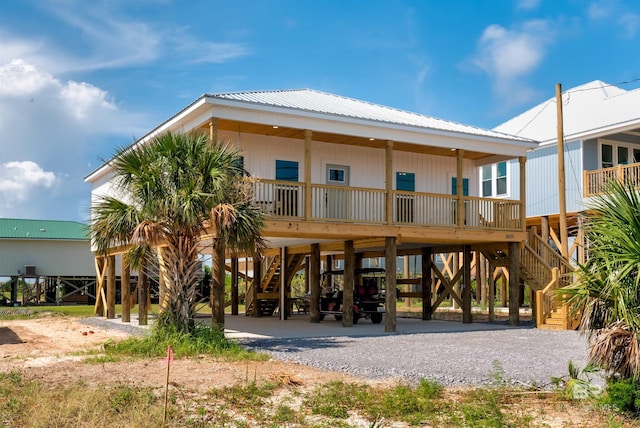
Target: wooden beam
(347,286)
(388,170)
(213,130)
(143,295)
(447,284)
(234,285)
(523,192)
(257,281)
(459,188)
(125,290)
(410,234)
(314,283)
(390,284)
(426,284)
(111,287)
(284,299)
(466,286)
(100,265)
(307,174)
(514,284)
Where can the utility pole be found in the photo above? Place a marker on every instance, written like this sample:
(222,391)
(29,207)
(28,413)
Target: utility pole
(564,235)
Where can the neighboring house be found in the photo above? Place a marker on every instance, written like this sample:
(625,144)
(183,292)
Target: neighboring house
(601,125)
(49,261)
(601,141)
(335,173)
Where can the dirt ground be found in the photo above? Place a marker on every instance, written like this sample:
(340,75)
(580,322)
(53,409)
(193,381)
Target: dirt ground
(51,350)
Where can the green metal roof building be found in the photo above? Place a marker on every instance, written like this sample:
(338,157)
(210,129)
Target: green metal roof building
(48,247)
(11,228)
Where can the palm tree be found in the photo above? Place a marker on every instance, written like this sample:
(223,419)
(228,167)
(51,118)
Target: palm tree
(169,193)
(608,290)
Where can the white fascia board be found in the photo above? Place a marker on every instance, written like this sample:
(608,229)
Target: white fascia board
(370,129)
(596,133)
(175,122)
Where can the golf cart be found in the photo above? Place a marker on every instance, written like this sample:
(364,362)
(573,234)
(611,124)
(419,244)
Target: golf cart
(368,300)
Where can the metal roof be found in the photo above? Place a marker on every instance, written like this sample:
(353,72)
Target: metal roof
(310,100)
(11,228)
(587,109)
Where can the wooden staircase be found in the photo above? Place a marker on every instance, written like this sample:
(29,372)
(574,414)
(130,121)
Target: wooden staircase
(544,270)
(268,294)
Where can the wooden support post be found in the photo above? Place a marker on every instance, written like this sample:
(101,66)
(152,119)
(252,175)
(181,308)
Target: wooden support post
(349,279)
(213,130)
(235,301)
(14,289)
(307,174)
(284,298)
(257,280)
(307,283)
(388,167)
(514,284)
(466,286)
(111,287)
(455,268)
(491,296)
(523,193)
(218,284)
(125,290)
(390,255)
(460,188)
(314,282)
(503,288)
(426,284)
(143,295)
(481,277)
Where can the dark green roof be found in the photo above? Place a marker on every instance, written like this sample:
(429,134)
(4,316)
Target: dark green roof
(11,228)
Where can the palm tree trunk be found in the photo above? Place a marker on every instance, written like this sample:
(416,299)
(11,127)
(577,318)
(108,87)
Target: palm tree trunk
(217,288)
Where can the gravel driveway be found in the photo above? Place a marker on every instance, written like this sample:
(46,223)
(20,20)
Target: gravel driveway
(515,356)
(448,352)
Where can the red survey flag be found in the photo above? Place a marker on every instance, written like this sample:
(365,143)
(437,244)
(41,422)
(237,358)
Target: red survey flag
(169,357)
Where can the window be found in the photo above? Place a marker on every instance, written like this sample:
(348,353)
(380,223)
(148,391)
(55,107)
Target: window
(406,181)
(286,170)
(337,175)
(613,153)
(494,180)
(465,186)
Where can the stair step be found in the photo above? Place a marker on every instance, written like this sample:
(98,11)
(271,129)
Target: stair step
(551,327)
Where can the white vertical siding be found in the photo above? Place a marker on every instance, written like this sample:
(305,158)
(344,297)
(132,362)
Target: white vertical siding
(366,165)
(542,179)
(51,258)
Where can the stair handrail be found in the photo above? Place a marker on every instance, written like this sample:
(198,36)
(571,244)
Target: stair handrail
(546,299)
(249,294)
(538,267)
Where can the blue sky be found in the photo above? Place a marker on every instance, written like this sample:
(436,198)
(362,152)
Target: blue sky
(78,78)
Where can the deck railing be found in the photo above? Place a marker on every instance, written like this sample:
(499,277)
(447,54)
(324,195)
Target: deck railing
(286,200)
(595,182)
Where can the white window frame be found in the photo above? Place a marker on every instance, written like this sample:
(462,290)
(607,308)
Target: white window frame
(615,145)
(494,181)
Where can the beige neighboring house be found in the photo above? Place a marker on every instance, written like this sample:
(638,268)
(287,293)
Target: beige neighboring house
(351,180)
(46,261)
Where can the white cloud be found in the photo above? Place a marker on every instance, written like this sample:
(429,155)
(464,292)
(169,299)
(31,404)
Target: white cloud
(19,179)
(108,40)
(509,55)
(601,9)
(527,4)
(629,24)
(49,131)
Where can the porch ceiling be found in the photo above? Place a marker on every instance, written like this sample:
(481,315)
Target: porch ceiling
(328,137)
